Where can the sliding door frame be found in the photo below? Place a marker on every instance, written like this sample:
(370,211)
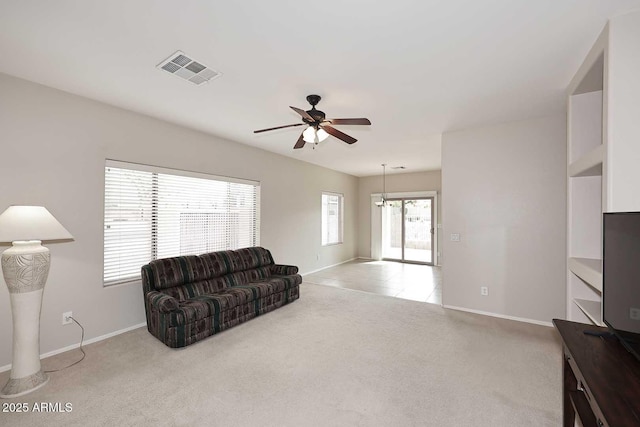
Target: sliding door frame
(404,234)
(376,221)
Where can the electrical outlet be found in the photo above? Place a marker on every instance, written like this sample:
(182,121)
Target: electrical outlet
(634,313)
(484,291)
(455,237)
(66,318)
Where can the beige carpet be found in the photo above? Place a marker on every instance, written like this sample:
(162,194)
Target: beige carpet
(336,357)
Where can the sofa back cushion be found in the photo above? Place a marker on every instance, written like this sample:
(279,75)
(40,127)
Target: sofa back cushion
(169,272)
(257,263)
(220,263)
(185,277)
(254,257)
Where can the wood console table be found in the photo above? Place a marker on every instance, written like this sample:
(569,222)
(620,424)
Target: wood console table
(601,379)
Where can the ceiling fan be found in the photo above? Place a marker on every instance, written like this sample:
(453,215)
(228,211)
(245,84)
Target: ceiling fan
(318,126)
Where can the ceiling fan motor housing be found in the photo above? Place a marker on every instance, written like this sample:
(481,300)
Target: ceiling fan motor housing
(318,116)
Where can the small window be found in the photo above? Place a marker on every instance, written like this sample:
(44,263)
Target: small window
(152,213)
(332,218)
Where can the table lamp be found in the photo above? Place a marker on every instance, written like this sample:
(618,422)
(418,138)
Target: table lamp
(25,267)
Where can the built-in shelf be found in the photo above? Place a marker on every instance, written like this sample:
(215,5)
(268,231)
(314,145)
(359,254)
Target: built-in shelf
(588,165)
(588,169)
(589,270)
(592,309)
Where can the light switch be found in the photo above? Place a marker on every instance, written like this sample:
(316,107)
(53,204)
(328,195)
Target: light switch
(455,237)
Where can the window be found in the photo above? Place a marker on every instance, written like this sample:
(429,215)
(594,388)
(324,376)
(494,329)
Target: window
(152,213)
(332,212)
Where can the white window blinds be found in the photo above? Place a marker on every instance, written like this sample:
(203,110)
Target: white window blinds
(332,218)
(152,213)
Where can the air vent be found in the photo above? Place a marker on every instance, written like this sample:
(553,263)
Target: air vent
(398,167)
(185,67)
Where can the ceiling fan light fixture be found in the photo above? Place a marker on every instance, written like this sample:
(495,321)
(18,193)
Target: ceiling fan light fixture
(322,135)
(313,135)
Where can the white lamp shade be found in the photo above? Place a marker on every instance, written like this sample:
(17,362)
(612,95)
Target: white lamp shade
(322,134)
(30,223)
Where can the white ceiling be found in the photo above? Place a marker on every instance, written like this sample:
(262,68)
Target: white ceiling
(415,68)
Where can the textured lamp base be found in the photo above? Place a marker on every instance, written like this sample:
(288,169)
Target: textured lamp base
(25,267)
(17,387)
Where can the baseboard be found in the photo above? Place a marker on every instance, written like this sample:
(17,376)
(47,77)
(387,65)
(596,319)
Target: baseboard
(328,266)
(87,342)
(501,316)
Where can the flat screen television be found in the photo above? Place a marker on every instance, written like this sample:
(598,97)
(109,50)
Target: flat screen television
(621,277)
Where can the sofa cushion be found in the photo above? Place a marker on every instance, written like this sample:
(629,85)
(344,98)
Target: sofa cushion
(169,272)
(254,257)
(204,306)
(201,287)
(289,280)
(268,286)
(235,279)
(221,263)
(257,274)
(283,270)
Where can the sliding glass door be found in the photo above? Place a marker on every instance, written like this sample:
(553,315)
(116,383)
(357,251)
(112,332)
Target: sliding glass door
(392,230)
(407,230)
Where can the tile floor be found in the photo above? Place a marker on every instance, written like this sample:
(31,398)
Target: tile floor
(408,281)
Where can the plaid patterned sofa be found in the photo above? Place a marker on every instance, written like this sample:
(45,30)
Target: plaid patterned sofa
(189,298)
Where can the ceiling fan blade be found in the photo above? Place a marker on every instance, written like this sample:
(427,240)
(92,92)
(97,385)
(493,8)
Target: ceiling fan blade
(362,121)
(300,142)
(303,113)
(279,127)
(340,135)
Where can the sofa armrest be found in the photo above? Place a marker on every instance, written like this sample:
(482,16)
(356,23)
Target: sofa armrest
(164,303)
(283,270)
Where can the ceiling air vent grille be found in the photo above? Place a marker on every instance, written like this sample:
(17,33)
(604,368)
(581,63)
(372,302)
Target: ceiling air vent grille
(183,66)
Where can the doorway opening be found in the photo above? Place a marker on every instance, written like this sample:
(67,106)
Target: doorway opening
(407,230)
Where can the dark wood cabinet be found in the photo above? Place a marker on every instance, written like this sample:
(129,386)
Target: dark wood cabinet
(601,379)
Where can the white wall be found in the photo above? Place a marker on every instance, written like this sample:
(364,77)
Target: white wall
(54,146)
(395,183)
(504,192)
(623,144)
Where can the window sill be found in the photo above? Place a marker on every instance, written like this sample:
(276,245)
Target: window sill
(333,244)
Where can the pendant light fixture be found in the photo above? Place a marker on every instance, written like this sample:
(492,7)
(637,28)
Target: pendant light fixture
(383,199)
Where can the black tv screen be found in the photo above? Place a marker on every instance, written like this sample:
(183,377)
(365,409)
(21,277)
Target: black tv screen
(621,277)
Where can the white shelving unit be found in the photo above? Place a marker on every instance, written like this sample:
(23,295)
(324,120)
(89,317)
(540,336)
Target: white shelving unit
(603,152)
(586,184)
(589,270)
